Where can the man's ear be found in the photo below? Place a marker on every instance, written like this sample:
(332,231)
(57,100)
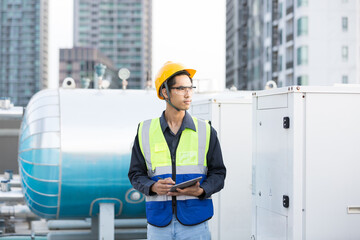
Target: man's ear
(164,93)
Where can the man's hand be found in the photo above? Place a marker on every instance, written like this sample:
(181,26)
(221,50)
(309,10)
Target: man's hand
(194,190)
(162,186)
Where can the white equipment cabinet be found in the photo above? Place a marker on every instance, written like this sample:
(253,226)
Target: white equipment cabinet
(306,162)
(230,115)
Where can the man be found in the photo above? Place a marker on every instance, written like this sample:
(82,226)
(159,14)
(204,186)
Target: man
(172,149)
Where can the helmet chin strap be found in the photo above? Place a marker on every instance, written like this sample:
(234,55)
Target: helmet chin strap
(168,100)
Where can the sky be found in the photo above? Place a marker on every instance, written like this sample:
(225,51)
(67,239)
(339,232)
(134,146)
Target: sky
(188,31)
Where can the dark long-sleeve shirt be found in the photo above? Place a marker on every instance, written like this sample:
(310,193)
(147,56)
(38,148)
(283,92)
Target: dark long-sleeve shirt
(216,169)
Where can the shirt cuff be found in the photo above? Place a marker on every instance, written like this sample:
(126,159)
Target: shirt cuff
(202,196)
(147,188)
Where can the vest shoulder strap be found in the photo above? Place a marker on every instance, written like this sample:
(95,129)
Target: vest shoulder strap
(204,130)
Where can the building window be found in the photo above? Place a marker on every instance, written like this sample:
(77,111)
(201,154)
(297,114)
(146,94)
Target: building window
(280,36)
(268,8)
(344,23)
(289,30)
(345,53)
(69,67)
(345,79)
(289,57)
(268,53)
(302,3)
(82,65)
(303,80)
(280,63)
(268,29)
(302,55)
(302,26)
(280,10)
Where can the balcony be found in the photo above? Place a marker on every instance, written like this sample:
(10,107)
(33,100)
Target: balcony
(274,67)
(289,9)
(243,64)
(275,40)
(244,18)
(244,44)
(274,61)
(275,36)
(275,10)
(290,65)
(289,37)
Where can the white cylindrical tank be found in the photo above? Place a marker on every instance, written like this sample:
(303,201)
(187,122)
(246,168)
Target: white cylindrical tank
(75,147)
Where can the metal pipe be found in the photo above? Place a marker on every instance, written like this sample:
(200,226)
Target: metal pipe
(68,224)
(17,211)
(131,233)
(131,223)
(87,235)
(15,195)
(8,132)
(15,182)
(11,113)
(86,224)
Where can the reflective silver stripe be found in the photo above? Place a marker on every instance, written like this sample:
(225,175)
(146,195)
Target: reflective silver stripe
(145,138)
(161,171)
(162,198)
(184,197)
(202,141)
(189,169)
(158,198)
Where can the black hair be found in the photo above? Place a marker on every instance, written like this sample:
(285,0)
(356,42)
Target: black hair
(171,80)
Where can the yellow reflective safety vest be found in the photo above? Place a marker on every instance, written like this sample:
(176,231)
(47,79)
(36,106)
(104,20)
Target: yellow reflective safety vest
(190,162)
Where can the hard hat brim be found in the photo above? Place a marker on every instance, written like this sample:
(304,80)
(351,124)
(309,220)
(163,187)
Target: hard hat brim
(191,72)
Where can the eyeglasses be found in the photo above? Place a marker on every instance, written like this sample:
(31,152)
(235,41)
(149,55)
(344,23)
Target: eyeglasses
(182,90)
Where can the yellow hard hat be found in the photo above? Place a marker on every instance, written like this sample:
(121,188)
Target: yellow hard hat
(168,70)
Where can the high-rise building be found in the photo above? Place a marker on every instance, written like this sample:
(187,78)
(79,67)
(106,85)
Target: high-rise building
(302,42)
(121,29)
(255,47)
(79,63)
(236,43)
(23,48)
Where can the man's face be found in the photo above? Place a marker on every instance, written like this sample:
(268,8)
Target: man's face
(181,93)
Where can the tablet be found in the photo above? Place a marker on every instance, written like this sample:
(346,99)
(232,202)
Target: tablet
(185,184)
